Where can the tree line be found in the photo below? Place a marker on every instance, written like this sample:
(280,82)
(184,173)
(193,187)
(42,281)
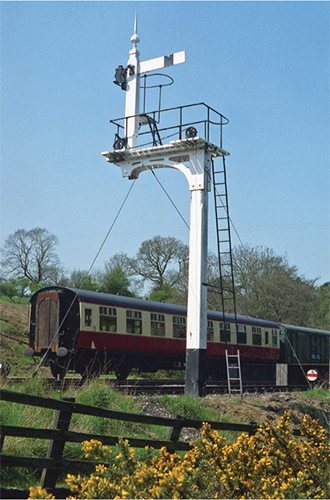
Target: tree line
(266,285)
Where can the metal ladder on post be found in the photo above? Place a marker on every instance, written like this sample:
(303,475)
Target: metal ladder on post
(234,377)
(226,273)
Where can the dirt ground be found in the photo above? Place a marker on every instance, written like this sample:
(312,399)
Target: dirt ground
(271,406)
(259,408)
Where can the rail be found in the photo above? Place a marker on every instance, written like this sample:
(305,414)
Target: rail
(177,123)
(54,463)
(151,386)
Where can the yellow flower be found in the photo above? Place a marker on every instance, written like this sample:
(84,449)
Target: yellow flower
(39,493)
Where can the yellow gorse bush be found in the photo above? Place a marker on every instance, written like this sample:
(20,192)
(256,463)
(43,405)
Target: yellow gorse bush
(273,463)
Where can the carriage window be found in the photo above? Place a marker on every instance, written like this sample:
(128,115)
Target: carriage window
(315,347)
(157,325)
(210,331)
(225,335)
(256,335)
(266,338)
(134,322)
(274,338)
(179,327)
(241,334)
(88,317)
(108,319)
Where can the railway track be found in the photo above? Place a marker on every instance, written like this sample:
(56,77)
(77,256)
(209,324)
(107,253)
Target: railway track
(143,386)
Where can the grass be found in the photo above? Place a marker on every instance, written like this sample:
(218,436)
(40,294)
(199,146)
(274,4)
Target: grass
(15,300)
(189,407)
(100,394)
(317,392)
(96,393)
(14,327)
(197,408)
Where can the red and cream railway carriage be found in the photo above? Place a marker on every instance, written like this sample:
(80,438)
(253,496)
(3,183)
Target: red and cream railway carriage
(92,332)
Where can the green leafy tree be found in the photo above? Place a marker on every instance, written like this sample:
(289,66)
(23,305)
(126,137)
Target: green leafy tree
(83,280)
(164,294)
(15,287)
(116,282)
(34,287)
(324,307)
(8,288)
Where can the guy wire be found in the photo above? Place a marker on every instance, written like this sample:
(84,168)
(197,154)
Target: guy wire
(168,196)
(89,270)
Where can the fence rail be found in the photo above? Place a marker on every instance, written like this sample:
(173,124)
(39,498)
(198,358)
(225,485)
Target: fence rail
(54,462)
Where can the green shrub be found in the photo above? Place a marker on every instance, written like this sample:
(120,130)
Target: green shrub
(271,464)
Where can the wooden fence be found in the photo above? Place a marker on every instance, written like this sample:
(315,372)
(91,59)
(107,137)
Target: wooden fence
(54,463)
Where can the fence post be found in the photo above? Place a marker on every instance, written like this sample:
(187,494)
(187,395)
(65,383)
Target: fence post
(1,443)
(174,432)
(56,447)
(254,428)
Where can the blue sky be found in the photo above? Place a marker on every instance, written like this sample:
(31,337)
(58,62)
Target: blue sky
(264,65)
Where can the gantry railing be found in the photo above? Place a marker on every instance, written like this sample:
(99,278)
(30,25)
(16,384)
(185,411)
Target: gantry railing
(162,126)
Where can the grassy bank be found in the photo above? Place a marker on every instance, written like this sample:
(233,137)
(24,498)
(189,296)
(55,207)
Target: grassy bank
(98,393)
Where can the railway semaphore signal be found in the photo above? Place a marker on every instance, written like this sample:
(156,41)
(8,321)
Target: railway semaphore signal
(190,151)
(129,80)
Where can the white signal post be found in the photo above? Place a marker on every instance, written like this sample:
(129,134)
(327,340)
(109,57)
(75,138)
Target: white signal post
(132,104)
(193,158)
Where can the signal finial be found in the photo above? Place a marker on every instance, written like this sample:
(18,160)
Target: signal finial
(135,38)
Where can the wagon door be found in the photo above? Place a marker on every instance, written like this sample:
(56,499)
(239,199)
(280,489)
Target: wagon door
(47,321)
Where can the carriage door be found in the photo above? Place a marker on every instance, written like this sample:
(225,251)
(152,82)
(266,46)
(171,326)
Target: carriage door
(47,321)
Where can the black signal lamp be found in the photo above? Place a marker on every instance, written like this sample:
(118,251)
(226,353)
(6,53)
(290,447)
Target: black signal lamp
(121,75)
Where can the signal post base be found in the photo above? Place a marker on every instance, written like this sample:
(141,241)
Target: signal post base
(195,372)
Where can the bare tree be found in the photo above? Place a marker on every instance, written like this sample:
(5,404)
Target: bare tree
(31,254)
(161,261)
(268,286)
